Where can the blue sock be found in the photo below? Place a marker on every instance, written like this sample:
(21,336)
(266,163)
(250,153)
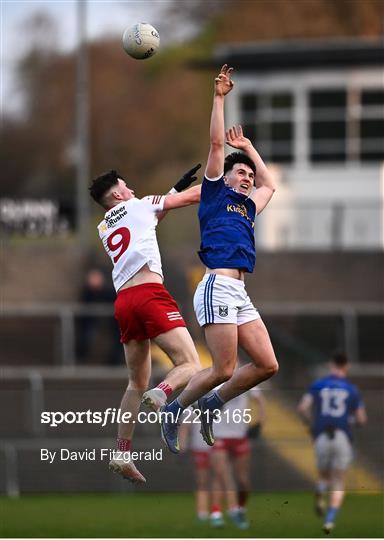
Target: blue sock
(331,515)
(175,408)
(213,401)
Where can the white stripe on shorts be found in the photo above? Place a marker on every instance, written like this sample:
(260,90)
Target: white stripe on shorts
(208,306)
(221,299)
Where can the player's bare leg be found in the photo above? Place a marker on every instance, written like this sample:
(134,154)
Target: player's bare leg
(202,479)
(255,341)
(138,359)
(222,341)
(222,344)
(336,497)
(178,345)
(224,484)
(223,365)
(321,493)
(241,466)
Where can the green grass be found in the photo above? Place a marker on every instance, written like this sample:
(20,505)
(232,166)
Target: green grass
(277,515)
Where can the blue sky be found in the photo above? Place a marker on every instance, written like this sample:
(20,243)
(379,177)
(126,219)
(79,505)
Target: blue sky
(103,17)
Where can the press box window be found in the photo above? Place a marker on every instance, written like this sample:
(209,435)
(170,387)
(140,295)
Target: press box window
(328,125)
(372,125)
(267,120)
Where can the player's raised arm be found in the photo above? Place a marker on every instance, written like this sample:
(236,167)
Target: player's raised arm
(265,186)
(185,181)
(223,85)
(185,198)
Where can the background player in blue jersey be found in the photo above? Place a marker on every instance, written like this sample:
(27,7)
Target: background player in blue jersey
(330,405)
(234,191)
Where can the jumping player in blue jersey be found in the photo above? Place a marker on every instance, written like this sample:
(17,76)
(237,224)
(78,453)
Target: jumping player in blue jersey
(235,190)
(329,407)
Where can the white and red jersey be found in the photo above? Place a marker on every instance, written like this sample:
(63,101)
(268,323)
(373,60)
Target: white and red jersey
(232,424)
(196,441)
(128,233)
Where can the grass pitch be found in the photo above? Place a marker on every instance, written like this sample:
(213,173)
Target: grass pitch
(277,515)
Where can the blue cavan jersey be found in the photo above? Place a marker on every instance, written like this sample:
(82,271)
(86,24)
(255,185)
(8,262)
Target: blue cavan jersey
(335,400)
(227,222)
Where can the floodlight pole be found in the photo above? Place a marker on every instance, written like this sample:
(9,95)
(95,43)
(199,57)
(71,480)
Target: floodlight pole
(82,131)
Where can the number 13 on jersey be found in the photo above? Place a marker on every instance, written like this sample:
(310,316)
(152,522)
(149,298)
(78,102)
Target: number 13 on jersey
(333,402)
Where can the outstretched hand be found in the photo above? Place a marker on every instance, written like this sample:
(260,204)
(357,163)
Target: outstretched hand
(187,179)
(223,82)
(234,137)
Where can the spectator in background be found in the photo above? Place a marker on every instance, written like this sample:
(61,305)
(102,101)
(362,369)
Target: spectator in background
(95,290)
(329,407)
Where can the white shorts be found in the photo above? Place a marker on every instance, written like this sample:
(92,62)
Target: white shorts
(221,299)
(333,453)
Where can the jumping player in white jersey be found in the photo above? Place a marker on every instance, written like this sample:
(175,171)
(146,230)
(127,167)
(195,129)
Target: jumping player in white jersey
(235,190)
(144,308)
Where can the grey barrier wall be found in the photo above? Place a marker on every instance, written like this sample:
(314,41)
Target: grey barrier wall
(25,393)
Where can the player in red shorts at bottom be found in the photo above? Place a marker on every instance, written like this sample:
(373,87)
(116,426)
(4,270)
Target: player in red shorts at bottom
(222,472)
(144,309)
(231,456)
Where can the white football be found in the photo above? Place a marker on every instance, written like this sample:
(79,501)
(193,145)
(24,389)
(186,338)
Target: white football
(141,41)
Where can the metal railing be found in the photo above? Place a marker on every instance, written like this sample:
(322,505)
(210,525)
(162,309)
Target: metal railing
(66,314)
